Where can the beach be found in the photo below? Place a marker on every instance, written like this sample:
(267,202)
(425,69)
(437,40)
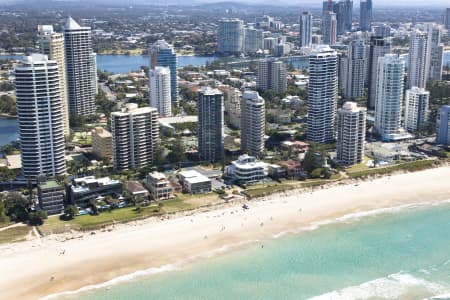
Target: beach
(69,262)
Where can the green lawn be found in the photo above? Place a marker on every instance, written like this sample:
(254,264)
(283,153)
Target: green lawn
(359,167)
(15,234)
(405,166)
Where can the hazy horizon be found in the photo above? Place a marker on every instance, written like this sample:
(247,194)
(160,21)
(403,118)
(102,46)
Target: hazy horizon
(312,3)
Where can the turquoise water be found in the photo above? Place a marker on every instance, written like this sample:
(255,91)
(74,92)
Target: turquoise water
(405,255)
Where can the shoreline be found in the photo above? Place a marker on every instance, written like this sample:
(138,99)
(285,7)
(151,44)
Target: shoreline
(93,259)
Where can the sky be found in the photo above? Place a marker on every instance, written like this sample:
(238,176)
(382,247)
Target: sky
(379,3)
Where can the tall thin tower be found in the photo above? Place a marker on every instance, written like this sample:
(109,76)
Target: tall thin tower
(419,59)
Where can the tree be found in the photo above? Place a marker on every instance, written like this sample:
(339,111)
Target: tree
(16,207)
(177,152)
(310,162)
(36,218)
(3,217)
(71,211)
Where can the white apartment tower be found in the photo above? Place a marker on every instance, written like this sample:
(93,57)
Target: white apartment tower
(329,28)
(416,112)
(135,134)
(52,44)
(322,95)
(230,36)
(40,114)
(271,75)
(306,22)
(379,46)
(253,123)
(160,97)
(79,68)
(389,94)
(253,40)
(232,103)
(356,67)
(419,59)
(351,133)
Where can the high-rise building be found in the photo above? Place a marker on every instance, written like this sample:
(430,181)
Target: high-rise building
(253,123)
(160,91)
(356,67)
(378,48)
(230,36)
(306,22)
(271,75)
(443,125)
(382,30)
(344,14)
(418,59)
(233,107)
(322,95)
(327,5)
(253,40)
(389,95)
(351,134)
(40,115)
(416,108)
(52,44)
(210,125)
(365,15)
(329,29)
(163,55)
(79,68)
(101,142)
(135,135)
(436,52)
(447,19)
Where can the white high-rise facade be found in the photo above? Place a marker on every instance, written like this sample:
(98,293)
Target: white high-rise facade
(389,94)
(436,52)
(322,95)
(52,44)
(416,112)
(306,22)
(378,48)
(230,36)
(356,67)
(135,135)
(40,114)
(253,123)
(160,91)
(351,133)
(419,59)
(79,68)
(271,75)
(253,40)
(329,28)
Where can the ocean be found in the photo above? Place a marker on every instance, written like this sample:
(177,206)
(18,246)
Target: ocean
(398,254)
(9,130)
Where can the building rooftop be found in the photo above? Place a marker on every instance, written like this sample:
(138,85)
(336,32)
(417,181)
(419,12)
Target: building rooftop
(50,184)
(192,176)
(101,132)
(248,162)
(157,175)
(71,24)
(135,187)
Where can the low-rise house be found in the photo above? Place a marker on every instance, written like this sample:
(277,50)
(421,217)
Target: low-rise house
(159,186)
(51,197)
(295,146)
(85,189)
(137,190)
(247,169)
(276,171)
(194,183)
(294,168)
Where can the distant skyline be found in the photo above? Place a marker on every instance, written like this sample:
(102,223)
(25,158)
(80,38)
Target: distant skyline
(311,3)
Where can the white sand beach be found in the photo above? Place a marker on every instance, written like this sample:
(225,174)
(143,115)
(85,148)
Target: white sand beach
(34,269)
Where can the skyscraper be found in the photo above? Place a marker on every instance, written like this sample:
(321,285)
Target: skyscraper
(253,40)
(365,15)
(230,35)
(443,125)
(52,44)
(41,121)
(322,95)
(351,134)
(344,14)
(271,75)
(329,28)
(305,29)
(163,55)
(436,52)
(135,135)
(447,19)
(160,91)
(378,48)
(210,125)
(416,112)
(253,123)
(356,67)
(419,59)
(327,5)
(79,68)
(389,95)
